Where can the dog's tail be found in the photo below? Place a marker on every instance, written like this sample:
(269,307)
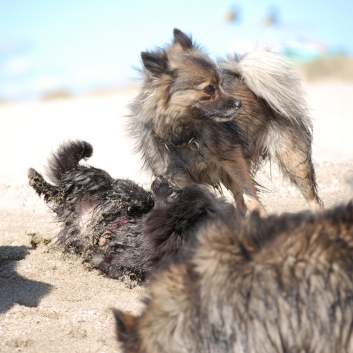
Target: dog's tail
(271,76)
(66,158)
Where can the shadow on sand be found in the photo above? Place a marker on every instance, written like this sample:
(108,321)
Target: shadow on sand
(15,289)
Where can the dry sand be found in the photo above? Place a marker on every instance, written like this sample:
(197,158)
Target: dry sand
(50,302)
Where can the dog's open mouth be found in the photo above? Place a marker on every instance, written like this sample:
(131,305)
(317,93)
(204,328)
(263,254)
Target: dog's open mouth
(161,189)
(222,119)
(173,196)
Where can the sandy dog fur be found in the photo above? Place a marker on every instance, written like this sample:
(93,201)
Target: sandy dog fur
(114,224)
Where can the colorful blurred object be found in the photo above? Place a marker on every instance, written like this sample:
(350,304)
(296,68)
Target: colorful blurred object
(232,14)
(304,50)
(271,18)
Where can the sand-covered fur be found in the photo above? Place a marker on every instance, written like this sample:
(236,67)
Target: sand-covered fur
(280,284)
(116,225)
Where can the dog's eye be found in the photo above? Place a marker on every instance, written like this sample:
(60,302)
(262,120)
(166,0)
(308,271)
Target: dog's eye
(209,90)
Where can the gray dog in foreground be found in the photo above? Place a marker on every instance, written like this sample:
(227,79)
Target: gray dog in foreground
(194,121)
(277,284)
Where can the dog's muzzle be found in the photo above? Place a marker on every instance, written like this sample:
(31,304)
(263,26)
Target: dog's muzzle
(238,103)
(229,110)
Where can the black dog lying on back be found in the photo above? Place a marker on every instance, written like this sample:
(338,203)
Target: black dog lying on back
(117,226)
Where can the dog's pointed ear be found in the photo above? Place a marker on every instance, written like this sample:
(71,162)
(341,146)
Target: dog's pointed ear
(155,63)
(125,324)
(183,40)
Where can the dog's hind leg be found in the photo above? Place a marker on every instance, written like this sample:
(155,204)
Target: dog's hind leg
(36,180)
(238,181)
(292,150)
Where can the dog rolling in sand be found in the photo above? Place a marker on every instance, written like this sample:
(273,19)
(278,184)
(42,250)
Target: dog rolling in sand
(277,284)
(117,226)
(190,126)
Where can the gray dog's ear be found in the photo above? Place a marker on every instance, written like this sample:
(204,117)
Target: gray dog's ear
(155,63)
(181,38)
(124,325)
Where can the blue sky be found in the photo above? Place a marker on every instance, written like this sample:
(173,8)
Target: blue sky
(85,45)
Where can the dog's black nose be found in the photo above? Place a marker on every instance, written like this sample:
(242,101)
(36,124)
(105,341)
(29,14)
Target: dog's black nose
(238,103)
(158,182)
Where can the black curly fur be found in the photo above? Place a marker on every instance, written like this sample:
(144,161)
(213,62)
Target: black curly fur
(67,158)
(117,226)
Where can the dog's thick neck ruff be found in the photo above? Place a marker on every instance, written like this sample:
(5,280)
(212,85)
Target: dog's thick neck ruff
(190,143)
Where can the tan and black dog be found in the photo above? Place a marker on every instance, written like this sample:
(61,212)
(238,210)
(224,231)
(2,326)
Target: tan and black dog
(195,122)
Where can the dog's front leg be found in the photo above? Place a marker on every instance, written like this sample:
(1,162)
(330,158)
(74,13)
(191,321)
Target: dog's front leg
(238,181)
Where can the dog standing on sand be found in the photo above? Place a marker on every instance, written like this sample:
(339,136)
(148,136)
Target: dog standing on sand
(276,284)
(190,126)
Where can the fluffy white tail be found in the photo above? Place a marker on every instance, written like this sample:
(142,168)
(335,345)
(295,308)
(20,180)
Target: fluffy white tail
(271,76)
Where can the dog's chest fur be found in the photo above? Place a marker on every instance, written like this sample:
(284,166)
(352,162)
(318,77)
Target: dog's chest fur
(195,155)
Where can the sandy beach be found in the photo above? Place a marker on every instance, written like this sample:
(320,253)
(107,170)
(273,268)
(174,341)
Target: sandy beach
(50,302)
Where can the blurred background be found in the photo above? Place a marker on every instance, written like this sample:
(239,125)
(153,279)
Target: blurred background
(51,49)
(68,69)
